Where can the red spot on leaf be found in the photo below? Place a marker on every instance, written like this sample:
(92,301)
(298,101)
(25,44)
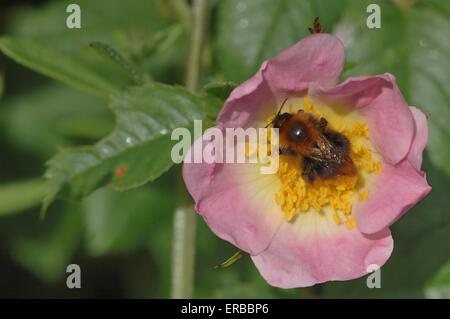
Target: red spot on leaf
(121,171)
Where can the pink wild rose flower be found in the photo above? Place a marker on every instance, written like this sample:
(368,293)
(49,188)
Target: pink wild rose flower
(301,233)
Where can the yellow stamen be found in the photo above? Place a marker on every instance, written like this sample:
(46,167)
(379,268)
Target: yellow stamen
(309,107)
(350,223)
(363,196)
(336,218)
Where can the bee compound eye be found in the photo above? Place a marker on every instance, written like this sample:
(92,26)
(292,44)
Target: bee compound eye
(297,132)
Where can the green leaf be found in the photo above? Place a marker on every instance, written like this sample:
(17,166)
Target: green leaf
(18,196)
(137,151)
(39,121)
(74,71)
(110,53)
(40,39)
(48,253)
(211,106)
(221,90)
(412,44)
(213,97)
(439,285)
(254,30)
(163,55)
(124,222)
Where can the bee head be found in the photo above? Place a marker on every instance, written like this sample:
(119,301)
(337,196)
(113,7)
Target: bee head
(280,119)
(300,133)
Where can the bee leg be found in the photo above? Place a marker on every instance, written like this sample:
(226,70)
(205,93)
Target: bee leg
(323,171)
(308,172)
(322,124)
(286,151)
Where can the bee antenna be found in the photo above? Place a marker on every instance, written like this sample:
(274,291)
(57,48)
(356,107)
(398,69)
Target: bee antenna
(282,105)
(279,112)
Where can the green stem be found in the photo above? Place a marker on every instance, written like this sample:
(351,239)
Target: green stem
(183,252)
(198,28)
(183,247)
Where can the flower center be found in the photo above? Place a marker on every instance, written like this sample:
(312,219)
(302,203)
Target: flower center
(296,195)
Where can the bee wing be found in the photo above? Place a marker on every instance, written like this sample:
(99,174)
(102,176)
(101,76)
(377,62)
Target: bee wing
(325,149)
(342,162)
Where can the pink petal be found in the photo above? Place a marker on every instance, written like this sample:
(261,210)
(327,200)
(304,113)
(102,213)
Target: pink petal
(197,177)
(250,102)
(420,139)
(398,188)
(236,201)
(377,98)
(314,250)
(318,58)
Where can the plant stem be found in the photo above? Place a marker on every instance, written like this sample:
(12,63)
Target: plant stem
(198,28)
(183,253)
(183,247)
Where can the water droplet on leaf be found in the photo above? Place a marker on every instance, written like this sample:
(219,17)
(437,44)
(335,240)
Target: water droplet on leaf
(241,6)
(243,23)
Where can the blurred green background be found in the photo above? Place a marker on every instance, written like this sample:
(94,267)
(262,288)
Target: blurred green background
(122,240)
